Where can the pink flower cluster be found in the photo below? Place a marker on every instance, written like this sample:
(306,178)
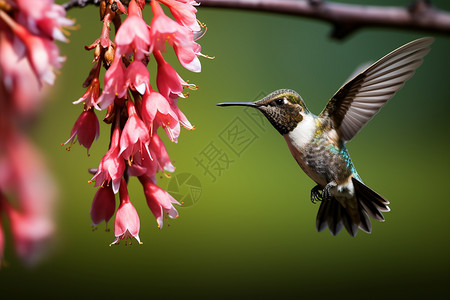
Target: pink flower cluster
(28,58)
(135,108)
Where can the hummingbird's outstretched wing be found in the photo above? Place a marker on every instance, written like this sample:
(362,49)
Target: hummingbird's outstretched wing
(357,101)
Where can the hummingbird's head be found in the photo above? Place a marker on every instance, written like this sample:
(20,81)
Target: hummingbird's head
(283,108)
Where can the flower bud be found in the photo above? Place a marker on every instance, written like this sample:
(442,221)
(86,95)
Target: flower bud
(102,9)
(97,52)
(109,55)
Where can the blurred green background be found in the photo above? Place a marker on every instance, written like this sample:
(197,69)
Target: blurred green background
(252,231)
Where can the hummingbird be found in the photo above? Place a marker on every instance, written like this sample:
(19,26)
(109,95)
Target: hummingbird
(317,143)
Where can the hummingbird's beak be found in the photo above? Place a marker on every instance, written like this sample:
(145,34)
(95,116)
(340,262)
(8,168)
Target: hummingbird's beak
(249,104)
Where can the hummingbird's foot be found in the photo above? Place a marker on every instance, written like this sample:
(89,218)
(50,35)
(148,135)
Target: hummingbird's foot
(326,193)
(316,194)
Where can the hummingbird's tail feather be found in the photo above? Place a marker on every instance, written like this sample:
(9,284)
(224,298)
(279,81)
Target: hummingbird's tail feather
(322,216)
(335,216)
(372,202)
(364,223)
(349,224)
(331,215)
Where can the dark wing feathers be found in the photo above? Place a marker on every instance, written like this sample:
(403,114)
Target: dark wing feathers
(362,97)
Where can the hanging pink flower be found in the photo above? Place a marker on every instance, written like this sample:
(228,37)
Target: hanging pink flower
(133,35)
(103,206)
(168,81)
(180,115)
(158,200)
(144,163)
(188,56)
(115,85)
(159,151)
(90,98)
(184,12)
(42,53)
(137,77)
(18,79)
(126,223)
(135,135)
(23,171)
(43,17)
(86,129)
(181,38)
(31,234)
(163,29)
(156,111)
(112,165)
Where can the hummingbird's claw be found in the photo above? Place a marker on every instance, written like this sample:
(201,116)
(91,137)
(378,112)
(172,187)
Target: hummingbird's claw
(316,194)
(326,193)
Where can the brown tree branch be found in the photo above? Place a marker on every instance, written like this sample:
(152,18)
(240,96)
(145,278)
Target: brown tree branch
(345,18)
(79,3)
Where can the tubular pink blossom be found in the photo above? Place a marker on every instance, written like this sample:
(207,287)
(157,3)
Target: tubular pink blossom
(135,135)
(133,34)
(126,222)
(91,95)
(184,13)
(153,103)
(115,85)
(163,29)
(167,79)
(159,151)
(42,53)
(137,77)
(156,111)
(158,200)
(43,18)
(31,234)
(43,56)
(29,176)
(103,206)
(171,128)
(188,56)
(143,163)
(149,163)
(112,165)
(181,117)
(86,129)
(19,79)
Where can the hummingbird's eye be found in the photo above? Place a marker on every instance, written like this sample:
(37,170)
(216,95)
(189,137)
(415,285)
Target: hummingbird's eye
(279,101)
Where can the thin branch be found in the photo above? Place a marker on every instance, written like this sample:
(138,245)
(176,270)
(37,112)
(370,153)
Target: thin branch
(345,18)
(79,3)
